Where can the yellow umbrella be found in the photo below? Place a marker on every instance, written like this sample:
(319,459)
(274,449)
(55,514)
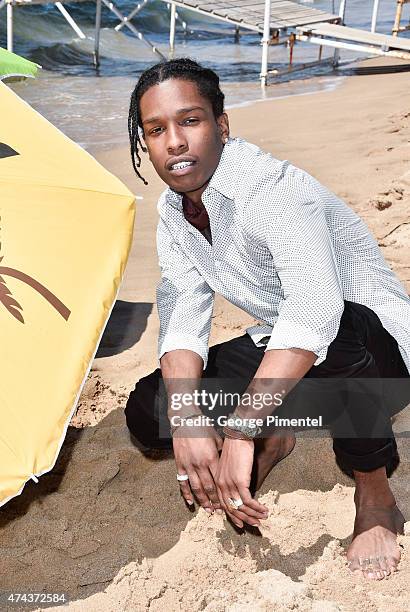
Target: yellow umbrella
(66,228)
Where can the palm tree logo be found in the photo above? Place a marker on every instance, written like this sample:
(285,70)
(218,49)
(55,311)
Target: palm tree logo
(12,305)
(6,296)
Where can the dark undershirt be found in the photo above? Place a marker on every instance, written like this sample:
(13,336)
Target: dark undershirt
(197,216)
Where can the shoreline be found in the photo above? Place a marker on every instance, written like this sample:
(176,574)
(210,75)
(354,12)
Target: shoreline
(106,102)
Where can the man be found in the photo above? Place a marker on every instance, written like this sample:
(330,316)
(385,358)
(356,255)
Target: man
(275,242)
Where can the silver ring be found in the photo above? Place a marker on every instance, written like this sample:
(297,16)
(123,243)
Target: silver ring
(235,503)
(182,477)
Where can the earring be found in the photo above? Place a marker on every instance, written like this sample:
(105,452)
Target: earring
(226,139)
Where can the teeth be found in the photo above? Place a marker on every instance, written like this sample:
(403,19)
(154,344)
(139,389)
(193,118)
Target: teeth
(181,165)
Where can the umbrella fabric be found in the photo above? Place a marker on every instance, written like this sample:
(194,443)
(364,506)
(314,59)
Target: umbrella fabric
(66,228)
(12,65)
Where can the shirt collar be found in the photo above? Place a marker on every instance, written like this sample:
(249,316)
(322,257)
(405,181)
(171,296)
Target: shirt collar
(222,179)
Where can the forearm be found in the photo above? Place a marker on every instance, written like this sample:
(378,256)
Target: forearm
(181,371)
(279,371)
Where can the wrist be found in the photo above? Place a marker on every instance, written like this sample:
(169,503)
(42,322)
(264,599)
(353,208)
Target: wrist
(193,421)
(242,428)
(233,434)
(188,412)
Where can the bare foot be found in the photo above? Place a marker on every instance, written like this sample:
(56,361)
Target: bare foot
(374,552)
(268,452)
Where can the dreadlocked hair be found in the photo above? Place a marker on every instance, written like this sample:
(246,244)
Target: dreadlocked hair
(206,80)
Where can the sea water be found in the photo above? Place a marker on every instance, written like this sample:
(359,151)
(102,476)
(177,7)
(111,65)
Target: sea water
(92,108)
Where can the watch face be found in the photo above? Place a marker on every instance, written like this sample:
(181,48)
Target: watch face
(252,431)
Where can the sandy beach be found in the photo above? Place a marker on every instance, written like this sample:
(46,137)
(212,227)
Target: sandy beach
(107,525)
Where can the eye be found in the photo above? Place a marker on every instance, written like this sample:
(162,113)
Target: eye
(155,130)
(191,120)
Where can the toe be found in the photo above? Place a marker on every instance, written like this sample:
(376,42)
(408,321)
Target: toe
(359,568)
(378,567)
(354,566)
(384,566)
(370,574)
(368,568)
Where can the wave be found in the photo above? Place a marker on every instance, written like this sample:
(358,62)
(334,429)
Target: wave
(42,35)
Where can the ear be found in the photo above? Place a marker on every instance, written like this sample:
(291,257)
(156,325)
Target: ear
(147,150)
(223,125)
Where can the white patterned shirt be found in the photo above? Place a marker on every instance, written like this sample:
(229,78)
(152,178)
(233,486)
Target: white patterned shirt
(284,249)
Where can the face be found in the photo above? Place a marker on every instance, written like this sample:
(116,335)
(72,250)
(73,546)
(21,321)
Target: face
(183,138)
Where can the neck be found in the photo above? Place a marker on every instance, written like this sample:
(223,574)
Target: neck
(195,196)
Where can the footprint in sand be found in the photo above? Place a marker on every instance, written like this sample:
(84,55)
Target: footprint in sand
(385,198)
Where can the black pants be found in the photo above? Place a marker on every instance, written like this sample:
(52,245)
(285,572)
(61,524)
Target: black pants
(362,349)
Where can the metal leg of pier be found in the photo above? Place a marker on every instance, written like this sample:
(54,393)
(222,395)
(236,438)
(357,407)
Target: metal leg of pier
(172,29)
(172,24)
(184,24)
(133,29)
(70,20)
(134,11)
(10,25)
(265,45)
(342,11)
(97,34)
(374,15)
(396,27)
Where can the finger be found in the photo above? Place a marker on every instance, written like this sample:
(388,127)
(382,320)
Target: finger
(186,492)
(198,490)
(213,468)
(245,514)
(241,490)
(184,487)
(235,520)
(243,517)
(253,518)
(258,509)
(222,496)
(209,487)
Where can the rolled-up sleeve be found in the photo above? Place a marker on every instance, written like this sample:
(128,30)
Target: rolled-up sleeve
(299,240)
(184,300)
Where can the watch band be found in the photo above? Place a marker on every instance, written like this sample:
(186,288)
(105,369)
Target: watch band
(247,432)
(233,434)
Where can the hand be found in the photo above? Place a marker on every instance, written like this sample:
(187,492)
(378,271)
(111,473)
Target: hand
(233,480)
(198,457)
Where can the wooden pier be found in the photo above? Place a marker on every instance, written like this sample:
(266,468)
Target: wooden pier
(277,21)
(250,14)
(352,38)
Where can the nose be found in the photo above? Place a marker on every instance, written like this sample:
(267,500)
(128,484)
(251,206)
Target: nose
(176,142)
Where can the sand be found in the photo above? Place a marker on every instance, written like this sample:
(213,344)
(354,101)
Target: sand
(107,525)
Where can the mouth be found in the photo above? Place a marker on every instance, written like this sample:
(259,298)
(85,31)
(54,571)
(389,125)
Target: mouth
(182,167)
